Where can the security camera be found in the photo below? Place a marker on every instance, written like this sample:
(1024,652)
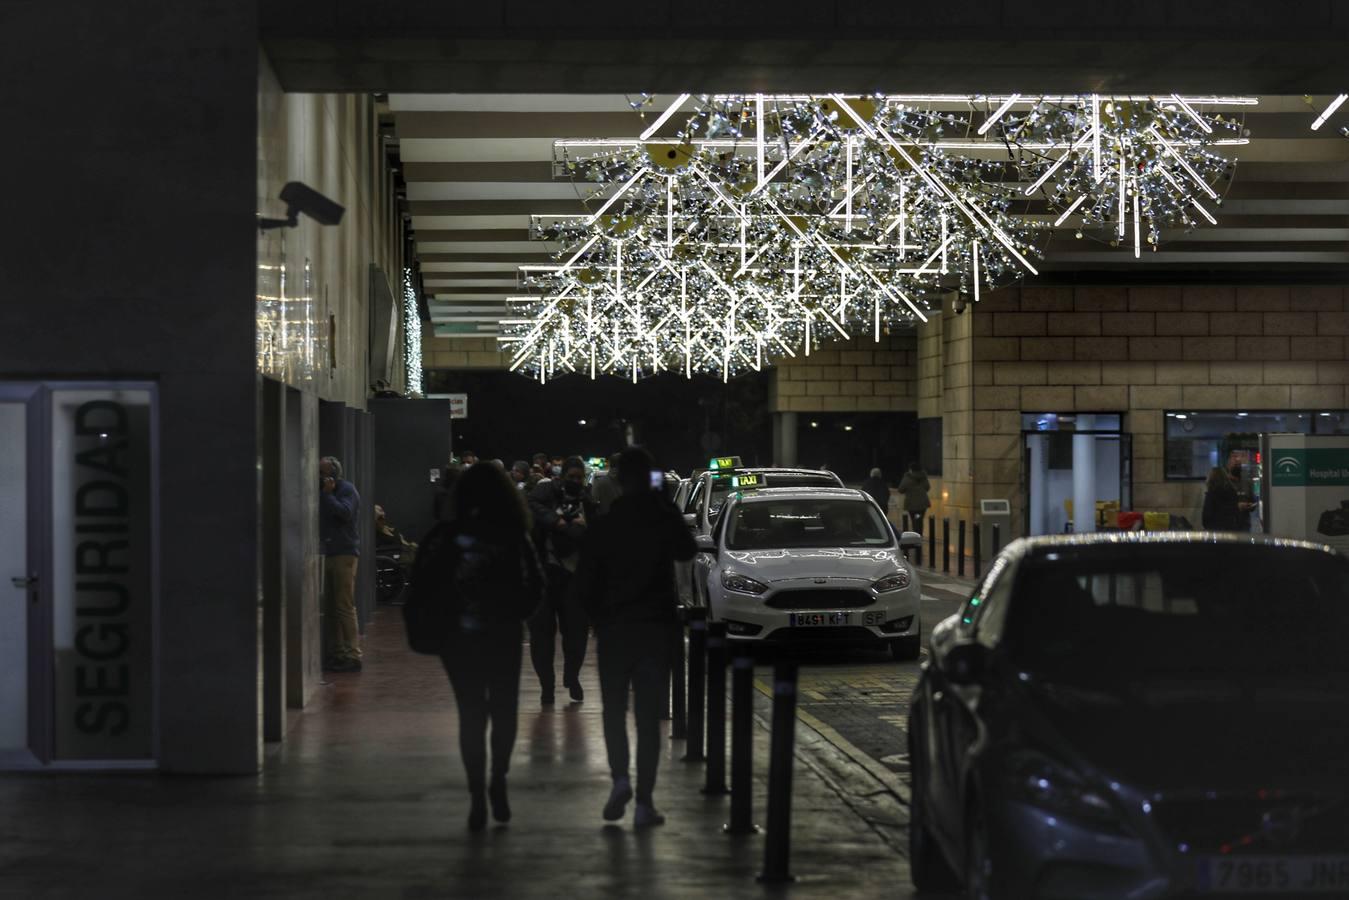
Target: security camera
(300,198)
(958,305)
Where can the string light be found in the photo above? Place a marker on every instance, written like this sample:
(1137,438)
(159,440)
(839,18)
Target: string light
(412,336)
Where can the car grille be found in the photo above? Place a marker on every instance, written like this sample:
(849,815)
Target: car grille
(1253,825)
(840,634)
(821,598)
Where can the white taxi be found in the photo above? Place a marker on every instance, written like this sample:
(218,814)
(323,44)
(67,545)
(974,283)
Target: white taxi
(809,564)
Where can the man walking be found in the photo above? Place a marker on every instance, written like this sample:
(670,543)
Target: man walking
(627,580)
(562,511)
(339,507)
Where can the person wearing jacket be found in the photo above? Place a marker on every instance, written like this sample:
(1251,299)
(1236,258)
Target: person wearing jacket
(482,562)
(339,507)
(875,486)
(626,578)
(1222,506)
(914,486)
(562,511)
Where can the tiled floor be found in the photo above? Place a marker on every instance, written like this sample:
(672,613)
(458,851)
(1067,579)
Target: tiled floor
(366,799)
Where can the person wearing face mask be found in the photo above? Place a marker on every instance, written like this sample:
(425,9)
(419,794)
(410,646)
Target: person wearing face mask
(561,509)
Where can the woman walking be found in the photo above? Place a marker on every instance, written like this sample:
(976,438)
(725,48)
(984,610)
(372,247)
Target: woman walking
(915,486)
(483,565)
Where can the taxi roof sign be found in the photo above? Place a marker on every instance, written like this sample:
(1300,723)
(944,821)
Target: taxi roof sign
(724,462)
(748,480)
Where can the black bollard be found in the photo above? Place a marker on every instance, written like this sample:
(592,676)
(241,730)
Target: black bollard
(978,552)
(678,700)
(997,539)
(960,550)
(946,546)
(716,709)
(693,749)
(932,541)
(777,849)
(742,743)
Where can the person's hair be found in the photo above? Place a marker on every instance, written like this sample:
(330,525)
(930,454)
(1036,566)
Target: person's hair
(1218,479)
(613,459)
(876,472)
(915,466)
(573,462)
(486,499)
(520,466)
(334,463)
(635,466)
(467,453)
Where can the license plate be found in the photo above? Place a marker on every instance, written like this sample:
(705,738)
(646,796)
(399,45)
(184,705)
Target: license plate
(816,619)
(1275,875)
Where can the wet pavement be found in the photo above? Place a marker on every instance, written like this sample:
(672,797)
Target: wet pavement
(366,798)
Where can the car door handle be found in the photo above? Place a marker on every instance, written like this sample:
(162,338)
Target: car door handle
(24,582)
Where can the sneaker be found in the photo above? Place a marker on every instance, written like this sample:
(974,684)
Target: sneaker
(546,698)
(618,800)
(645,816)
(477,813)
(578,694)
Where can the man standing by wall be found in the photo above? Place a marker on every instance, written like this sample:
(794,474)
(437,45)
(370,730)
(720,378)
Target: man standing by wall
(339,506)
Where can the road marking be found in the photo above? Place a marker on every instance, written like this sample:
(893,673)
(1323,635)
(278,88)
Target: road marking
(890,780)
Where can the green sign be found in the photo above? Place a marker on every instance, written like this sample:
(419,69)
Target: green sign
(1314,467)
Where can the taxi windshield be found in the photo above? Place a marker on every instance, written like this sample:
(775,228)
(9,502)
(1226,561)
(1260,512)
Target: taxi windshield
(806,522)
(722,487)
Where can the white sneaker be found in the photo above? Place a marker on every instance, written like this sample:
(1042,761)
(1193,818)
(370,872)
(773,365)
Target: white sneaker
(645,816)
(618,800)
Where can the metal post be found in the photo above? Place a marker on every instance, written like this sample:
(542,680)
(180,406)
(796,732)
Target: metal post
(716,709)
(997,539)
(932,541)
(778,842)
(946,545)
(978,553)
(679,702)
(960,550)
(693,749)
(742,743)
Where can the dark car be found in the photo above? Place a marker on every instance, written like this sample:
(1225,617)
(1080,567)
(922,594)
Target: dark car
(1141,715)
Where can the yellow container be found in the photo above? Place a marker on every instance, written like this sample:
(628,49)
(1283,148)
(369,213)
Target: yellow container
(1156,521)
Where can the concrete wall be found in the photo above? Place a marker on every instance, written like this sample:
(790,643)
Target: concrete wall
(130,254)
(1141,351)
(461,353)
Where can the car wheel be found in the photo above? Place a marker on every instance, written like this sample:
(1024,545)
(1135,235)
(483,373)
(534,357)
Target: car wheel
(979,884)
(906,649)
(928,868)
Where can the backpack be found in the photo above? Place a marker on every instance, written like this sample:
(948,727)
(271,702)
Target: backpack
(460,584)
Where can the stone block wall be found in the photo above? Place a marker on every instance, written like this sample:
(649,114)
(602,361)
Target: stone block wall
(462,353)
(1141,351)
(860,375)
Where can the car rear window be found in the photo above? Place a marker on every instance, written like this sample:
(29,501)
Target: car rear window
(1135,611)
(788,524)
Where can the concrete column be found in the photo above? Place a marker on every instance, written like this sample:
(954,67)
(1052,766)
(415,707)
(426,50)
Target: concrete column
(1037,478)
(1084,477)
(787,424)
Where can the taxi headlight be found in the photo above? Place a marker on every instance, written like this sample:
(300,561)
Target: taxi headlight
(896,582)
(741,584)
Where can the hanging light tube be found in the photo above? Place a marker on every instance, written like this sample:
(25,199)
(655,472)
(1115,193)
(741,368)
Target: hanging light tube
(664,117)
(1329,111)
(1069,211)
(1189,110)
(1152,129)
(1006,105)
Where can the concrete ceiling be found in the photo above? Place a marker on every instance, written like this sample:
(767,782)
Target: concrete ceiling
(478,165)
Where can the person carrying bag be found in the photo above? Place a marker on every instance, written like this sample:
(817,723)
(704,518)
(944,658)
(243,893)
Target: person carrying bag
(477,579)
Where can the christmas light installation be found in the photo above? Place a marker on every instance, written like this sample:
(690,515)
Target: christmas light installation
(754,227)
(1123,169)
(412,335)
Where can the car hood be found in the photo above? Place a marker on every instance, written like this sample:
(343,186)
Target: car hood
(828,562)
(1188,735)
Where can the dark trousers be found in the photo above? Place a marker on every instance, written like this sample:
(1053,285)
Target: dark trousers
(636,657)
(484,670)
(559,611)
(916,520)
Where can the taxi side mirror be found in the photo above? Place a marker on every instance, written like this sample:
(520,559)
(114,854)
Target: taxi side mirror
(965,663)
(910,540)
(705,544)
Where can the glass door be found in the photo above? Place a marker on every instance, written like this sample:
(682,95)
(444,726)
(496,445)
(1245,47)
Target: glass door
(19,596)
